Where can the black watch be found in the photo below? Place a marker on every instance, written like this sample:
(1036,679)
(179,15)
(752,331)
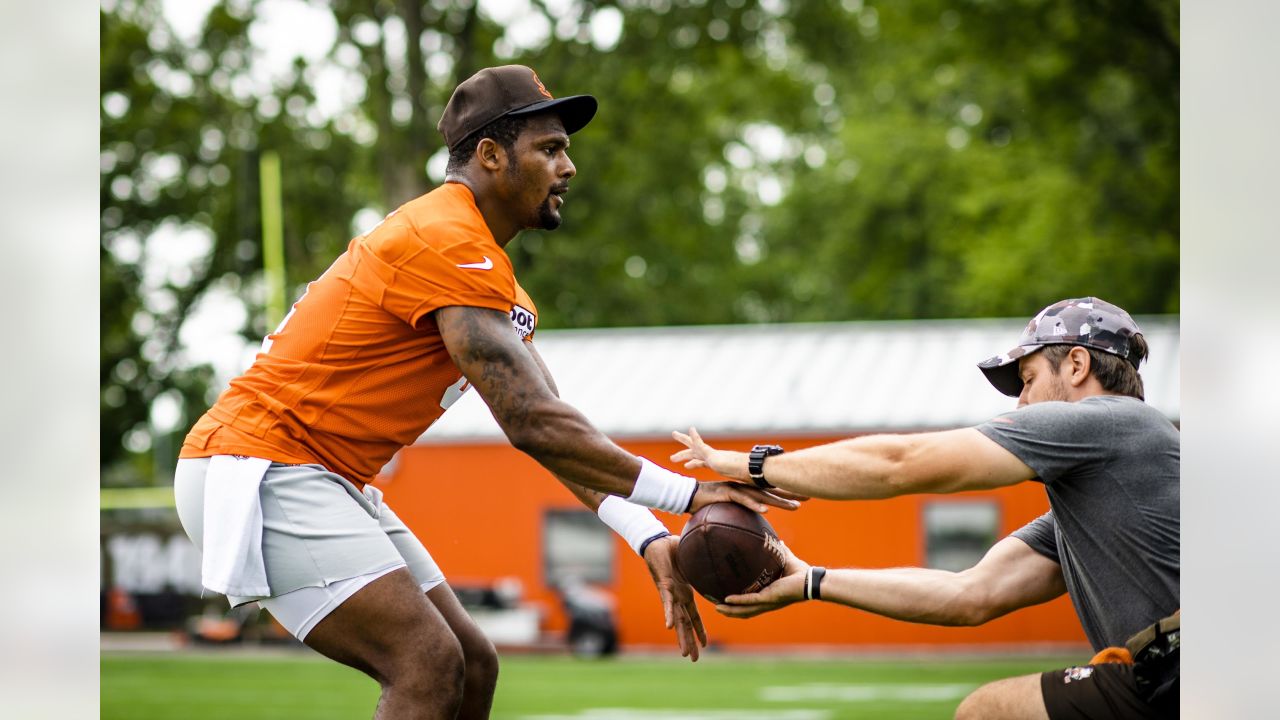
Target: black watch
(755,463)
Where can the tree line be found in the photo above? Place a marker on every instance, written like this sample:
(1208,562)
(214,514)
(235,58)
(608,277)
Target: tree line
(752,161)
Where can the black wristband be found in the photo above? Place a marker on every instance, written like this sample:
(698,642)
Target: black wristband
(645,545)
(815,592)
(692,495)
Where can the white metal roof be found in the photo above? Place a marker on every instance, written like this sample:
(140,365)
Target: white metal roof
(827,378)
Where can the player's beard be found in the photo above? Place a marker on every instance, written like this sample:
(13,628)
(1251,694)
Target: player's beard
(547,217)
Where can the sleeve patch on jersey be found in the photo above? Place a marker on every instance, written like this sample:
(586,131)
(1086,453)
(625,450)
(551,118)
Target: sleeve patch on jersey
(524,321)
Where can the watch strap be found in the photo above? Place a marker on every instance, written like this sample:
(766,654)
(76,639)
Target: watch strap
(755,463)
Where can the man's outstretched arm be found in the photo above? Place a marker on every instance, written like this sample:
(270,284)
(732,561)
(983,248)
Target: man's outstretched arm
(873,466)
(1010,576)
(492,357)
(679,611)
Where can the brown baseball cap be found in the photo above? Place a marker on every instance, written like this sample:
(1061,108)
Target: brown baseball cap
(507,90)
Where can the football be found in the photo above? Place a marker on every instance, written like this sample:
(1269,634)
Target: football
(727,549)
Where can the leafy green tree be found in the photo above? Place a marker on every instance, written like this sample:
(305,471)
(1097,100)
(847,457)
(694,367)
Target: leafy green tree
(984,159)
(180,146)
(752,160)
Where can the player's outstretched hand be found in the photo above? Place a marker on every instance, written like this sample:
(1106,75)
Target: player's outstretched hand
(678,609)
(745,495)
(727,463)
(778,594)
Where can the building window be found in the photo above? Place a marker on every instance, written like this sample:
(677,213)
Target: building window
(959,532)
(576,544)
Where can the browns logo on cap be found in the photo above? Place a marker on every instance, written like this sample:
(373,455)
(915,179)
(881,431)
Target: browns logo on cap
(497,92)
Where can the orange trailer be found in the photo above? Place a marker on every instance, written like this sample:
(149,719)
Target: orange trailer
(486,511)
(480,509)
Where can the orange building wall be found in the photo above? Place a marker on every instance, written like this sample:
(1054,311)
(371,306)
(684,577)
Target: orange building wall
(479,507)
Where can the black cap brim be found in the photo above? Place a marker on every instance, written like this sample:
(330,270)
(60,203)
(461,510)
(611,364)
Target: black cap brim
(575,111)
(1002,370)
(1003,377)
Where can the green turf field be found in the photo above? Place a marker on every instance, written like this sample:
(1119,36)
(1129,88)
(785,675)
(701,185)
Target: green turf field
(212,687)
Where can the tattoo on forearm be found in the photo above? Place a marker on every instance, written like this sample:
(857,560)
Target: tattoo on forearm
(510,398)
(510,379)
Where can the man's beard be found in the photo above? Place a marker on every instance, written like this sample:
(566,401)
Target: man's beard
(547,217)
(1057,389)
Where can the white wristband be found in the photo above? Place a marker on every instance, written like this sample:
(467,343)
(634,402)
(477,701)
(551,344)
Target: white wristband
(635,524)
(658,487)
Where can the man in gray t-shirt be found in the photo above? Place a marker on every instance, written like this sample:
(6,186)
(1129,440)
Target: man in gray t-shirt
(1109,463)
(1110,467)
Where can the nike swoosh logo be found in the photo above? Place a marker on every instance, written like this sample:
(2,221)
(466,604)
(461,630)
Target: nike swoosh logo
(487,264)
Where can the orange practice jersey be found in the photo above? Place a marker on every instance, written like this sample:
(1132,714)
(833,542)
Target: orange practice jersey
(358,369)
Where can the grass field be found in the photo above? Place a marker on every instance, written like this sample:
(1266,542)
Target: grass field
(212,687)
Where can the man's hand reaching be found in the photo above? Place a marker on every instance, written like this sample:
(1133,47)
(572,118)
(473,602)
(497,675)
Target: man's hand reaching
(745,495)
(776,595)
(733,465)
(698,454)
(678,608)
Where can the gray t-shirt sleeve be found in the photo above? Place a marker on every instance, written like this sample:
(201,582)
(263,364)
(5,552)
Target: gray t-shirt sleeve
(1054,438)
(1040,534)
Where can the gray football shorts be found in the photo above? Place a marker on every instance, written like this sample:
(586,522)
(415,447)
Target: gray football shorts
(317,528)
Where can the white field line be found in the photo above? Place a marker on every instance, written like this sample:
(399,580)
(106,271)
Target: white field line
(687,714)
(862,692)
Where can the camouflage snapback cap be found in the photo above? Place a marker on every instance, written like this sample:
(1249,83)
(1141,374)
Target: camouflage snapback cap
(1079,321)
